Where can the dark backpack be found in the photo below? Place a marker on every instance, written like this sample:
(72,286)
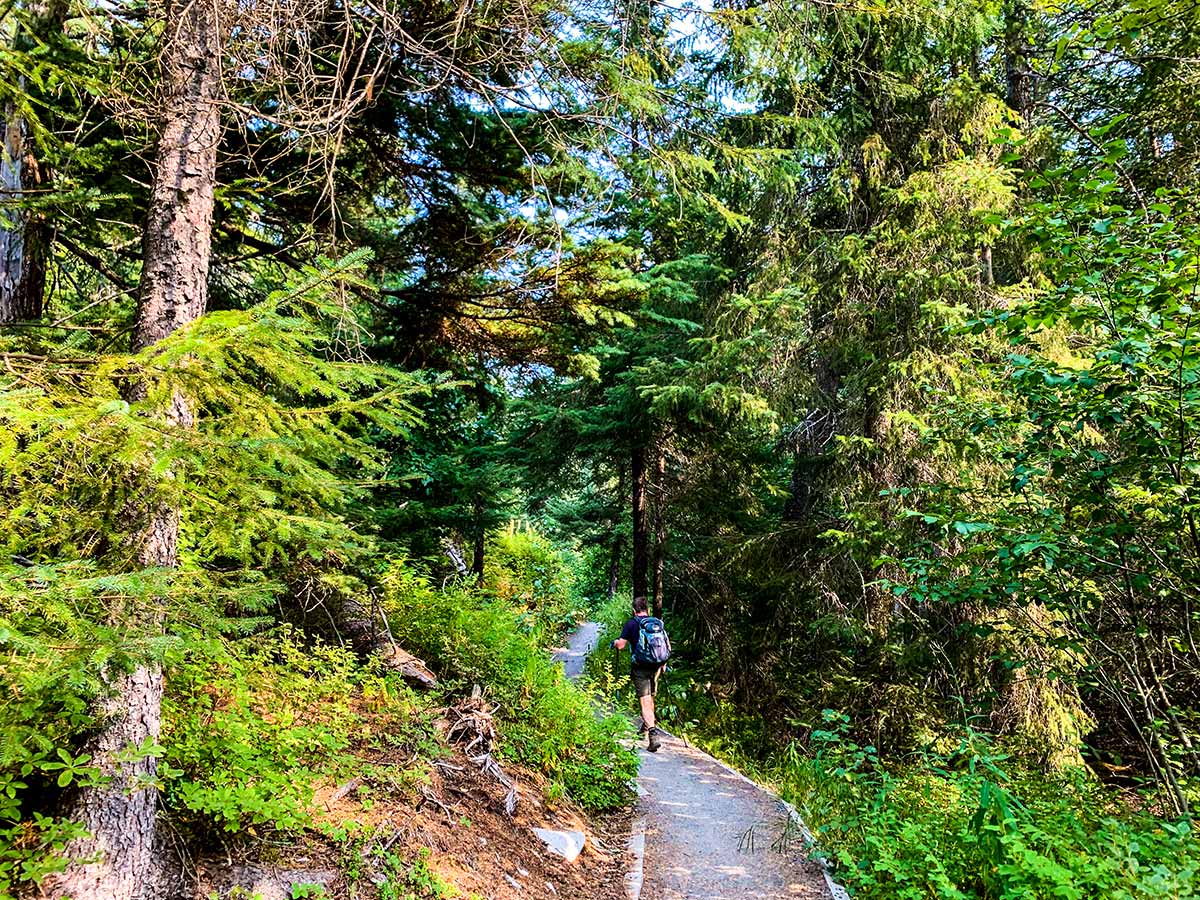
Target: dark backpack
(653,647)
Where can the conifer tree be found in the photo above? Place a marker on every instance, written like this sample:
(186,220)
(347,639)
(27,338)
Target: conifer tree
(117,859)
(24,234)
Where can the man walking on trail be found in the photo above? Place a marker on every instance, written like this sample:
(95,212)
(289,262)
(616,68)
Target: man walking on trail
(649,649)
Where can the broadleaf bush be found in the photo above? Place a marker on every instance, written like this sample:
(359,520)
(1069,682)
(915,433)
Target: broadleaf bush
(964,824)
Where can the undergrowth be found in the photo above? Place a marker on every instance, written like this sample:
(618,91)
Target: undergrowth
(253,725)
(250,727)
(536,577)
(547,723)
(964,824)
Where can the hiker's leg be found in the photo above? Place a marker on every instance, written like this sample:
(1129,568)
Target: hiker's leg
(644,684)
(652,732)
(647,703)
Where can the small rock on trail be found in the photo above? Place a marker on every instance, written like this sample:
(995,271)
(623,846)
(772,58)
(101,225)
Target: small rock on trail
(567,844)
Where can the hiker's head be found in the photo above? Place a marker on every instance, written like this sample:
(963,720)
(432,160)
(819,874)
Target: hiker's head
(639,606)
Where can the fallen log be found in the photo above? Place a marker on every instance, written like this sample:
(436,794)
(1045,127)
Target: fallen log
(371,637)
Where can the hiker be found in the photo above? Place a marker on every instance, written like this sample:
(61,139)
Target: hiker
(649,649)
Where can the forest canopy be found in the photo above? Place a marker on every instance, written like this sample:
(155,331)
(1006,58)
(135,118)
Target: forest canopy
(339,341)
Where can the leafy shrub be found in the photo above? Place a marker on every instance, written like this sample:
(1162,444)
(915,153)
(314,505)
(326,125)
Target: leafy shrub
(249,726)
(413,879)
(33,849)
(957,825)
(546,722)
(592,565)
(526,569)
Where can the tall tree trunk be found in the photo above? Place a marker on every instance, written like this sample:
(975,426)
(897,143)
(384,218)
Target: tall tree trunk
(660,527)
(177,241)
(641,543)
(176,249)
(614,568)
(478,543)
(24,235)
(1016,58)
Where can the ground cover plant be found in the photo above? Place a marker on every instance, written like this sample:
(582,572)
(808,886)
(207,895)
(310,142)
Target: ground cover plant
(964,824)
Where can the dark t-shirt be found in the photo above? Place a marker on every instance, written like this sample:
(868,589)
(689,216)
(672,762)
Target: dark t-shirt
(630,633)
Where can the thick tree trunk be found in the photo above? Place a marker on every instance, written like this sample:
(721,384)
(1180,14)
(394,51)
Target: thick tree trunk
(477,556)
(117,861)
(641,543)
(12,219)
(121,814)
(24,235)
(177,241)
(660,526)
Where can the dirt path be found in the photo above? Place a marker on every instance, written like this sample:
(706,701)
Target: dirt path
(580,643)
(708,833)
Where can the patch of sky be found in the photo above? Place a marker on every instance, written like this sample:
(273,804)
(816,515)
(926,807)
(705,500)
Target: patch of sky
(519,379)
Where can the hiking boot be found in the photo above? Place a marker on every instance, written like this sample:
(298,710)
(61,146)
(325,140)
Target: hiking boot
(642,728)
(654,742)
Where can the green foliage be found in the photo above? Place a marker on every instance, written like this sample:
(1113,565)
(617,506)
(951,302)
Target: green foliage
(900,294)
(526,569)
(279,427)
(1083,552)
(413,879)
(604,669)
(261,482)
(249,726)
(545,721)
(32,849)
(956,825)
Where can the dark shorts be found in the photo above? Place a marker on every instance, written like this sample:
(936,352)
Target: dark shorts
(645,681)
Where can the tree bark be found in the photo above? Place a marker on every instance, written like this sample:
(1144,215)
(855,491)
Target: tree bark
(614,568)
(660,527)
(177,241)
(1016,58)
(24,234)
(117,861)
(641,543)
(478,543)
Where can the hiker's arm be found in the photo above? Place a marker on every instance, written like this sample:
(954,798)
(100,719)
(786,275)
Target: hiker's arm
(628,633)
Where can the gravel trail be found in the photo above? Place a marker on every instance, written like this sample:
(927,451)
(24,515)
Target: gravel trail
(708,833)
